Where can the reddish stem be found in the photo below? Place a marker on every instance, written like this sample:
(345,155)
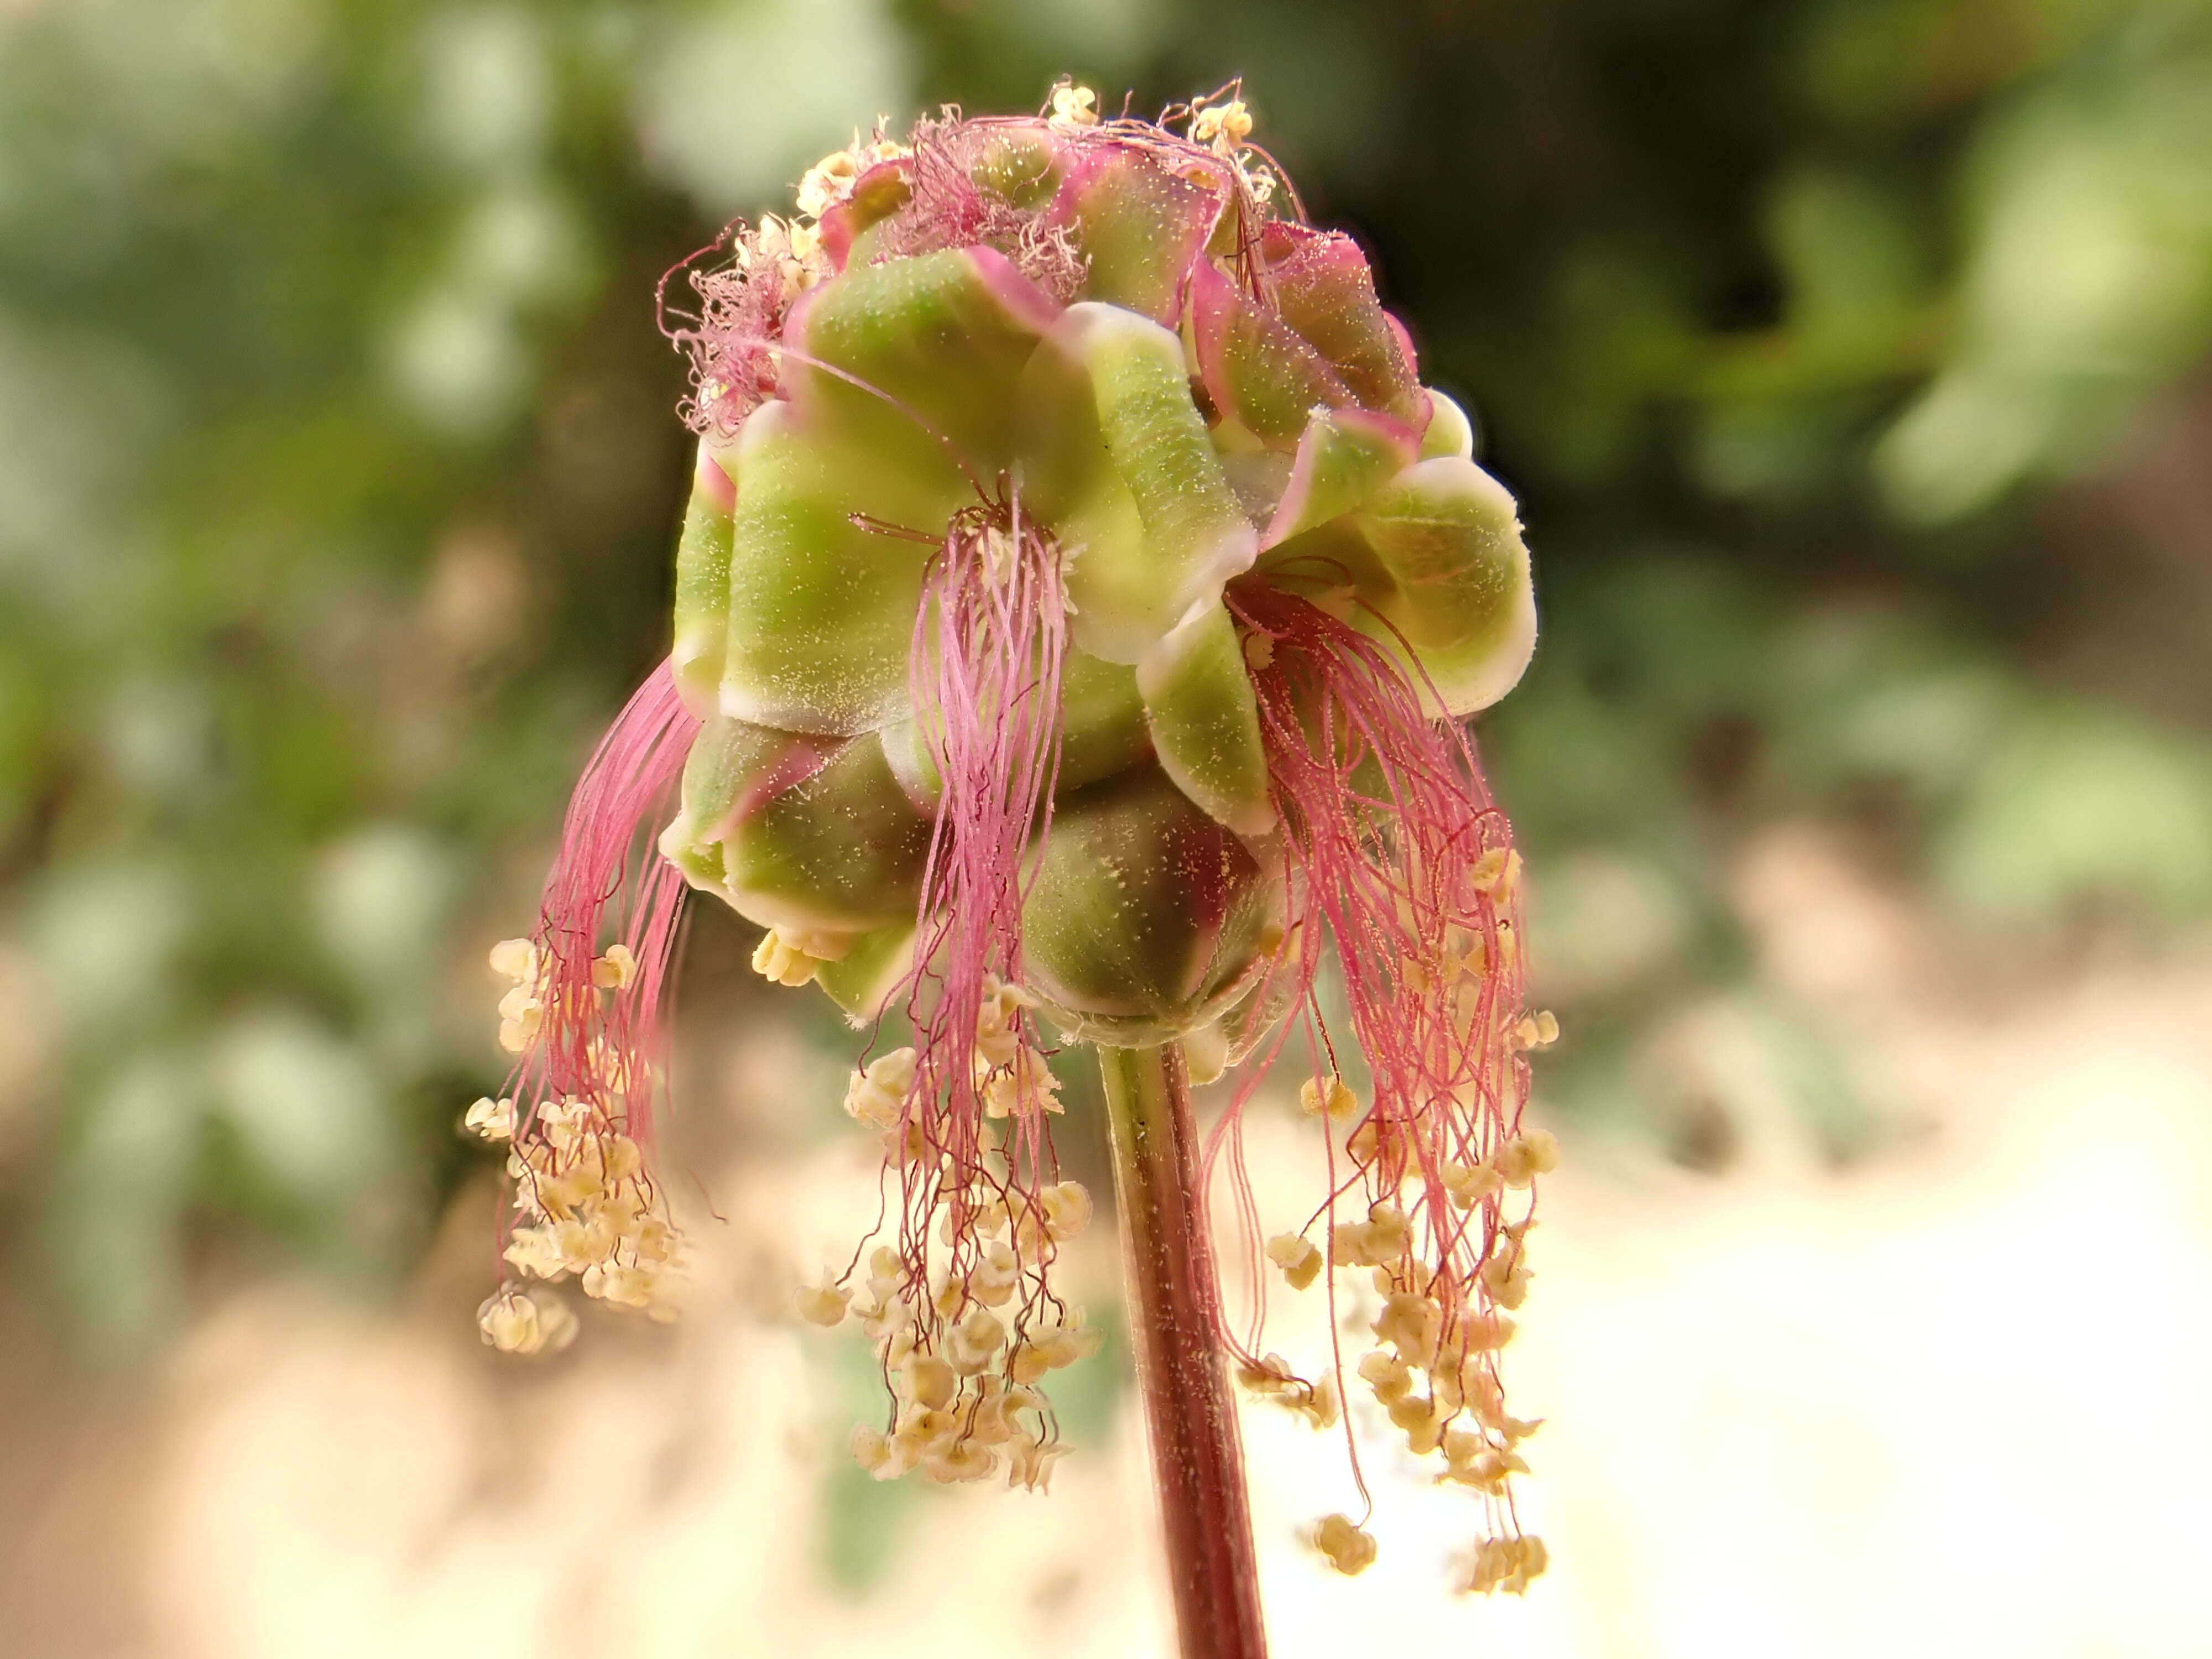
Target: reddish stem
(1174,1305)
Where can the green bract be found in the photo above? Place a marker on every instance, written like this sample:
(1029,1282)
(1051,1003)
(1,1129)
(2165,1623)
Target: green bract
(1110,328)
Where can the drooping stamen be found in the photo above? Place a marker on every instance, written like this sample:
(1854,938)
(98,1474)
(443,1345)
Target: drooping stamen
(607,922)
(988,646)
(586,1023)
(961,1308)
(1399,863)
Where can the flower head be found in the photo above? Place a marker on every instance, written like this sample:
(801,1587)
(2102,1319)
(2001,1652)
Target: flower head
(1076,603)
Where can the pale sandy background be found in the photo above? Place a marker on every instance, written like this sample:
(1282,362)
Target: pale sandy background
(1950,1400)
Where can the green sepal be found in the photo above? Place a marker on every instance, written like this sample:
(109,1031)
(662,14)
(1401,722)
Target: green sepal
(1206,720)
(1345,457)
(1140,226)
(1019,165)
(932,346)
(822,610)
(794,832)
(728,759)
(1145,915)
(702,587)
(1102,728)
(907,753)
(1119,460)
(1265,380)
(1449,431)
(1436,554)
(863,980)
(1325,290)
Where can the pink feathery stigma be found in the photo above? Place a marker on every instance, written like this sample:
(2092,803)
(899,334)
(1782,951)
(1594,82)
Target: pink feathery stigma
(988,644)
(610,885)
(1396,852)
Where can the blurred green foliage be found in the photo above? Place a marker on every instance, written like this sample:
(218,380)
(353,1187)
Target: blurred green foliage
(1849,355)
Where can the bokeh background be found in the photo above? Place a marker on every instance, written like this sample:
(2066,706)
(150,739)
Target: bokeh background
(1850,358)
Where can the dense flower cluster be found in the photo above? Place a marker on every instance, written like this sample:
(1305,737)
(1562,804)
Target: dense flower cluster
(1077,600)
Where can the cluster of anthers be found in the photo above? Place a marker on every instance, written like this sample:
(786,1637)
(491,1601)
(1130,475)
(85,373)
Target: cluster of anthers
(584,1205)
(1446,1265)
(967,1330)
(1430,1180)
(1433,1370)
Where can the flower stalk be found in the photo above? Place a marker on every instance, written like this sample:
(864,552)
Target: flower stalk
(1174,1305)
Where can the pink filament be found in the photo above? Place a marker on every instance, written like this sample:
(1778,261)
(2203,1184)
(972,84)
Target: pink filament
(988,644)
(1386,814)
(608,885)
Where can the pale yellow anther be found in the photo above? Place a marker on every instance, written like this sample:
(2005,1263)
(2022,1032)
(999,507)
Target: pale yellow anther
(515,1322)
(1029,1461)
(521,1017)
(494,1119)
(997,1033)
(878,1454)
(964,1460)
(1349,1550)
(976,1341)
(617,971)
(1422,1421)
(924,1429)
(828,182)
(1026,1086)
(1506,1564)
(536,1251)
(930,1381)
(515,959)
(1497,873)
(1391,1377)
(1468,1184)
(1387,1230)
(1269,1377)
(1490,1470)
(1296,1254)
(823,1305)
(1318,1402)
(907,1144)
(1052,1346)
(997,1277)
(1074,106)
(1462,1446)
(947,1295)
(1067,1209)
(1525,1157)
(1332,1095)
(878,1095)
(784,959)
(623,1285)
(1506,1279)
(1225,126)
